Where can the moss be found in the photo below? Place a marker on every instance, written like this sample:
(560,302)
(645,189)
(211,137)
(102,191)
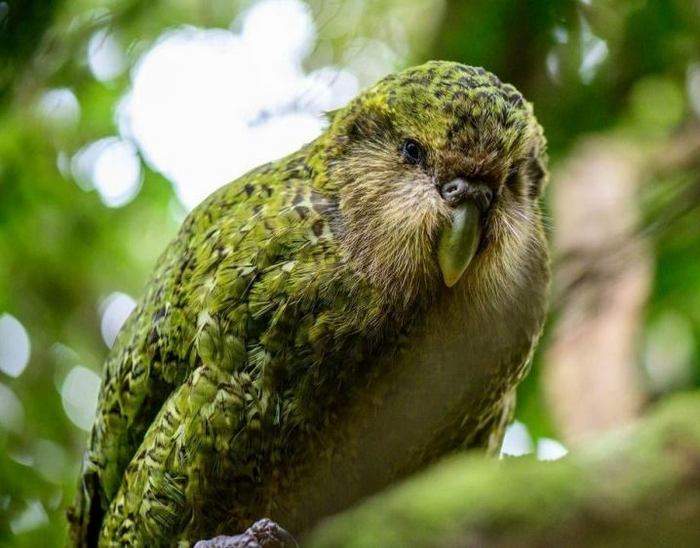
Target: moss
(636,487)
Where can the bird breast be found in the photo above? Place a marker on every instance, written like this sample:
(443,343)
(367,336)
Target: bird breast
(427,398)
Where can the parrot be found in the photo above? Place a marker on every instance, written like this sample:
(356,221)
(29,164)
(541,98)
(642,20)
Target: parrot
(330,322)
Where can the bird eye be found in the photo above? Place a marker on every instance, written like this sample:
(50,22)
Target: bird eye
(413,152)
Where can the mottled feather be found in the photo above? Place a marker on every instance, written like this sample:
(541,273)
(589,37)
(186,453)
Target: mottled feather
(285,288)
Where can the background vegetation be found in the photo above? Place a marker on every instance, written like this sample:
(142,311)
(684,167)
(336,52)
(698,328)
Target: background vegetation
(116,117)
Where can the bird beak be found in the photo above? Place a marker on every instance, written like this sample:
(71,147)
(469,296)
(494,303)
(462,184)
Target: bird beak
(459,241)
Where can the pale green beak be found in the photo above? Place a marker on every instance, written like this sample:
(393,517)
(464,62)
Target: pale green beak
(459,242)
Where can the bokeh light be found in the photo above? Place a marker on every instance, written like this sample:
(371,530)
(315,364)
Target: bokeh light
(207,105)
(14,346)
(115,310)
(106,58)
(11,410)
(79,396)
(50,460)
(32,517)
(594,50)
(517,440)
(60,107)
(550,449)
(111,166)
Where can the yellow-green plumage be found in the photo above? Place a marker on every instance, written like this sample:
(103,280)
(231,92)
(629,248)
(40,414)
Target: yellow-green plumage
(300,313)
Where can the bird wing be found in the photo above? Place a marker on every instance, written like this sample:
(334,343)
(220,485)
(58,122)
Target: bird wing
(253,285)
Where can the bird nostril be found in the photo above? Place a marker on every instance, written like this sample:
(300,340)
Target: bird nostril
(454,190)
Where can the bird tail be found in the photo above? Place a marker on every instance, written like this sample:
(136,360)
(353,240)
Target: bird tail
(87,512)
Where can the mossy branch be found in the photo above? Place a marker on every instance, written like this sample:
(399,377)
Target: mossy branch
(638,487)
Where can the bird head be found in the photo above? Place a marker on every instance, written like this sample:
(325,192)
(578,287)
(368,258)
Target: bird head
(438,170)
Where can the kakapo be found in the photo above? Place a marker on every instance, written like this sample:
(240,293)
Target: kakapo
(330,322)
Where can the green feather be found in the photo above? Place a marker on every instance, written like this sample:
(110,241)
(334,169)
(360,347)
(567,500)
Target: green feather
(261,318)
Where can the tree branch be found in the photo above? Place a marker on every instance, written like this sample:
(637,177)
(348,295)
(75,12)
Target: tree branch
(640,487)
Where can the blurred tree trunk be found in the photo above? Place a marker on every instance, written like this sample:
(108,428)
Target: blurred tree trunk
(601,283)
(603,271)
(640,487)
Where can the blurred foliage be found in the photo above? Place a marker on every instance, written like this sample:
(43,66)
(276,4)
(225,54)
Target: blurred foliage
(628,69)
